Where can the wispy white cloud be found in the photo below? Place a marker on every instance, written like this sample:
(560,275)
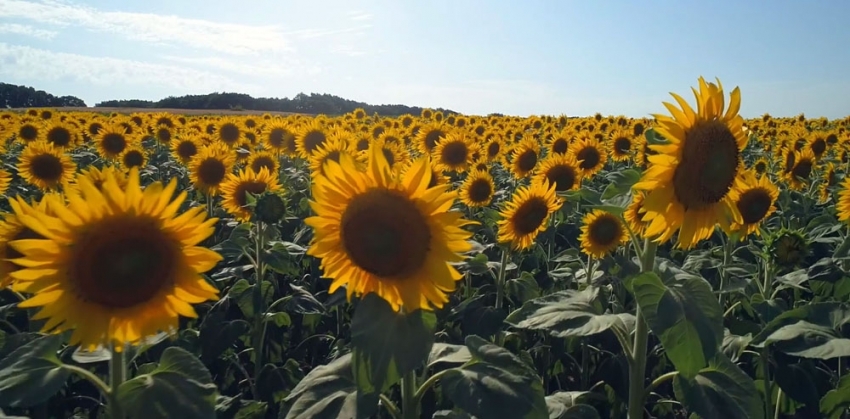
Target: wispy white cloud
(161,29)
(251,67)
(319,33)
(359,15)
(22,62)
(18,29)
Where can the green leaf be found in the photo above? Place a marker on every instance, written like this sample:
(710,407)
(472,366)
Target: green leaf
(498,385)
(686,317)
(566,405)
(523,288)
(449,354)
(818,330)
(620,183)
(280,319)
(235,408)
(180,387)
(3,415)
(217,335)
(32,373)
(277,258)
(301,301)
(720,391)
(387,345)
(798,382)
(837,401)
(569,313)
(243,293)
(328,391)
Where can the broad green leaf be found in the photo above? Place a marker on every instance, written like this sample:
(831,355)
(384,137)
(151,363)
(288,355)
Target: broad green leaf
(386,344)
(243,293)
(497,385)
(523,288)
(236,408)
(328,391)
(32,373)
(449,354)
(798,382)
(180,387)
(620,184)
(819,330)
(567,405)
(837,401)
(217,335)
(569,313)
(733,345)
(686,317)
(301,301)
(719,391)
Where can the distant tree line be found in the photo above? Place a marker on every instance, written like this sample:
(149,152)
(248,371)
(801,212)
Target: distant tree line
(313,103)
(14,96)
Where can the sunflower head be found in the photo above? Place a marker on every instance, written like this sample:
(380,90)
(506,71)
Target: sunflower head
(601,233)
(237,186)
(454,152)
(112,140)
(524,157)
(526,214)
(134,156)
(5,181)
(61,134)
(429,135)
(261,159)
(97,177)
(210,166)
(184,147)
(279,137)
(310,138)
(477,189)
(788,248)
(28,131)
(12,229)
(754,196)
(634,214)
(112,267)
(801,173)
(590,154)
(333,150)
(45,166)
(376,232)
(622,145)
(229,132)
(562,171)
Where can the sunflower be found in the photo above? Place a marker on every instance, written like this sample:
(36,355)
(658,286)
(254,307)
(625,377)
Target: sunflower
(562,171)
(5,181)
(61,134)
(163,134)
(477,189)
(393,236)
(621,145)
(634,214)
(800,174)
(210,167)
(27,131)
(589,153)
(12,229)
(559,143)
(842,207)
(761,165)
(601,233)
(828,180)
(45,166)
(134,156)
(310,137)
(755,198)
(229,132)
(493,150)
(278,137)
(454,152)
(789,157)
(429,135)
(236,187)
(689,180)
(116,265)
(261,159)
(98,177)
(789,248)
(818,145)
(184,147)
(332,150)
(394,152)
(524,157)
(111,140)
(527,214)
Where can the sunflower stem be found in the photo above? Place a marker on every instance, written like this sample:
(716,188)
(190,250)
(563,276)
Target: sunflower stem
(117,376)
(409,403)
(637,370)
(728,247)
(259,303)
(500,278)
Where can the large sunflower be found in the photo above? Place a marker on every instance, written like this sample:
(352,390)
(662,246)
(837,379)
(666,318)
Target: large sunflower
(689,180)
(259,159)
(601,233)
(527,214)
(589,153)
(562,171)
(116,265)
(210,167)
(45,166)
(755,198)
(389,235)
(236,187)
(477,189)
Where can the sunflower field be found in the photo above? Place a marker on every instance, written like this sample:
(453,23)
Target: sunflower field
(690,265)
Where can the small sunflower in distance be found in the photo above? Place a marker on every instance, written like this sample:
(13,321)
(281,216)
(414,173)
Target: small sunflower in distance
(115,266)
(755,198)
(527,214)
(237,186)
(689,180)
(622,145)
(393,236)
(210,166)
(601,233)
(800,175)
(45,166)
(477,189)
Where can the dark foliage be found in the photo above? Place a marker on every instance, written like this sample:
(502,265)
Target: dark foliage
(14,96)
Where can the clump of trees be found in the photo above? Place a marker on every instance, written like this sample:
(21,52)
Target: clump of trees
(14,96)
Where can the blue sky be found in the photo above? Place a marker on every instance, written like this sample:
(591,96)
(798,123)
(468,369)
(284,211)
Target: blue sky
(477,57)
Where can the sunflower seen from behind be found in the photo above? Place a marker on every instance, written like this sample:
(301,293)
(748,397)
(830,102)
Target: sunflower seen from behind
(477,189)
(45,166)
(237,186)
(601,233)
(389,235)
(689,180)
(116,265)
(527,214)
